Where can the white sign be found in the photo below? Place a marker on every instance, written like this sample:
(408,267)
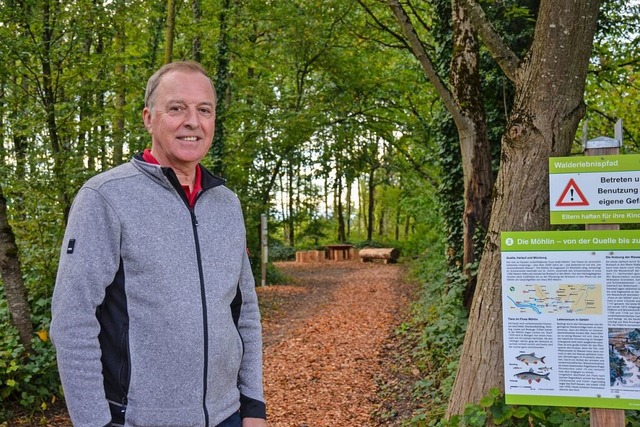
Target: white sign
(593,190)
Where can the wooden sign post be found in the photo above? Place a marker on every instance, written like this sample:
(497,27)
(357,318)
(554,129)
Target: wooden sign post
(601,417)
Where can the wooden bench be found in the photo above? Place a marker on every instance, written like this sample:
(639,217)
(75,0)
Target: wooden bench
(388,255)
(309,256)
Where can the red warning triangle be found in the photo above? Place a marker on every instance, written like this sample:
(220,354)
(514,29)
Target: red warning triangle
(572,196)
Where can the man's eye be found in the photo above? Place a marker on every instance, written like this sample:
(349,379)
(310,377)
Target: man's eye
(206,111)
(175,108)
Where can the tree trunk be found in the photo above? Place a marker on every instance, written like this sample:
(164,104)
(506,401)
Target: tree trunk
(547,108)
(49,101)
(342,236)
(169,31)
(11,275)
(348,221)
(291,206)
(474,140)
(196,44)
(371,186)
(217,151)
(121,82)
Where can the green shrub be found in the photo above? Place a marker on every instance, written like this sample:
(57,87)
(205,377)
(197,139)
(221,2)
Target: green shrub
(28,380)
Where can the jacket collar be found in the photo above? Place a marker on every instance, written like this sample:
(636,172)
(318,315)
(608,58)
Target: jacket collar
(168,177)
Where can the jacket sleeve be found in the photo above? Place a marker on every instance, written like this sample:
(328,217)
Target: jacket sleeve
(89,260)
(250,377)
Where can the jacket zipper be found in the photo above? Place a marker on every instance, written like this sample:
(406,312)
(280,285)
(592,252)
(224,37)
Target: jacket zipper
(205,323)
(203,297)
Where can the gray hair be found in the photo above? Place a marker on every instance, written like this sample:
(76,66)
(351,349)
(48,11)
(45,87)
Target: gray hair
(186,66)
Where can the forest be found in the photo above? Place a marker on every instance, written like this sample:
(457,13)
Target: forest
(422,125)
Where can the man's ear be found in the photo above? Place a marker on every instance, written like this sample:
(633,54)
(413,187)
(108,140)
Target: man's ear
(146,118)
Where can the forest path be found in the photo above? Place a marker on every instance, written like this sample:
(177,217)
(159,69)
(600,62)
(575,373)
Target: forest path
(328,341)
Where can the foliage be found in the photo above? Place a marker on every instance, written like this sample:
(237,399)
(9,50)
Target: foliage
(612,83)
(438,324)
(26,380)
(280,252)
(492,408)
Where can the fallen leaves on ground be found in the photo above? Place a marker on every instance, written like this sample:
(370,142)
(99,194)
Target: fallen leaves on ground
(321,369)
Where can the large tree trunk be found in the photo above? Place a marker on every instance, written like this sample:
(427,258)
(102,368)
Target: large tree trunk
(547,109)
(11,275)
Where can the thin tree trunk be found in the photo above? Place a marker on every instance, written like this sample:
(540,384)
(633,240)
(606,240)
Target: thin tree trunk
(217,152)
(371,187)
(342,237)
(49,101)
(11,275)
(196,44)
(169,31)
(348,221)
(397,225)
(290,177)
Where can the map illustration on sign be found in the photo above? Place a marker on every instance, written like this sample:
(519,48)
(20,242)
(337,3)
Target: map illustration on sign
(555,299)
(572,196)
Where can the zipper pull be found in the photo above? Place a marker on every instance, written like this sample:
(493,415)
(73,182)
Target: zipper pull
(193,217)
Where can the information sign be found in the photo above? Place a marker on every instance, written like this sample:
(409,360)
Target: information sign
(594,190)
(571,318)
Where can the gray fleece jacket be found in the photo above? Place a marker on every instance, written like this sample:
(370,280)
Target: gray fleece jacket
(154,315)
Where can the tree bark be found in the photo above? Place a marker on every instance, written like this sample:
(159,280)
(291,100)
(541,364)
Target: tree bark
(547,108)
(474,140)
(11,275)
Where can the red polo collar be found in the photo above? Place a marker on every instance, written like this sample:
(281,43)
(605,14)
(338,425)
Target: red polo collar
(197,185)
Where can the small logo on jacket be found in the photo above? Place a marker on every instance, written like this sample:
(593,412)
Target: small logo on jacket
(71,246)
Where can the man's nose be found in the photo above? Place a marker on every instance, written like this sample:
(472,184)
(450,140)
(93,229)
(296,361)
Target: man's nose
(191,118)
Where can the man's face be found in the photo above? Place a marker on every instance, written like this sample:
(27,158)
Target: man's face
(181,120)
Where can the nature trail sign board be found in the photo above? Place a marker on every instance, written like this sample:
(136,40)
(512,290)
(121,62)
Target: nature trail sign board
(571,318)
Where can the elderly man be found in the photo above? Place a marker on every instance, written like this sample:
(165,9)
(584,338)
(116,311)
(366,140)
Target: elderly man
(154,315)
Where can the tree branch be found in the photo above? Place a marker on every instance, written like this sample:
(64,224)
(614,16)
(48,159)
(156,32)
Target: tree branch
(503,55)
(421,54)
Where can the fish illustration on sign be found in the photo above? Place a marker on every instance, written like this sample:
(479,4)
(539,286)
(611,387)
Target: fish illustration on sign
(530,358)
(532,376)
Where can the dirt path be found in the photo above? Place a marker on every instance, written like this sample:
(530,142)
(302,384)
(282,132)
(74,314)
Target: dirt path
(325,341)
